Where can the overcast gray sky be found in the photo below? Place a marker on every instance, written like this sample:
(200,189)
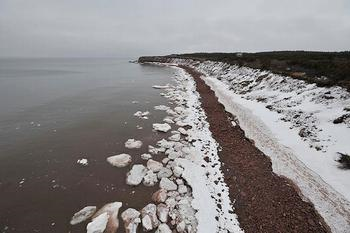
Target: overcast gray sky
(137,27)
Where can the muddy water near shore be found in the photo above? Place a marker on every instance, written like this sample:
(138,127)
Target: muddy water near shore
(84,109)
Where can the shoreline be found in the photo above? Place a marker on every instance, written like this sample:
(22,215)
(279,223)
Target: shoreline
(264,202)
(273,110)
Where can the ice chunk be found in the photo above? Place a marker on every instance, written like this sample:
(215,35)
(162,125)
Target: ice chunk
(160,87)
(150,178)
(146,156)
(163,228)
(164,172)
(150,210)
(121,160)
(162,127)
(159,196)
(162,212)
(182,131)
(83,162)
(141,114)
(154,166)
(112,210)
(83,214)
(161,107)
(168,120)
(98,224)
(132,143)
(131,220)
(147,223)
(167,184)
(178,171)
(136,174)
(175,137)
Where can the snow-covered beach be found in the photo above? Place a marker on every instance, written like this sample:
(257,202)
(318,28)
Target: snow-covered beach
(293,123)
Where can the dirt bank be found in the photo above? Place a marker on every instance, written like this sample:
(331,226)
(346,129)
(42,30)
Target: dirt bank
(264,202)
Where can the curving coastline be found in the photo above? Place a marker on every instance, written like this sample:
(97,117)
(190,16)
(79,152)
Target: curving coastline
(331,205)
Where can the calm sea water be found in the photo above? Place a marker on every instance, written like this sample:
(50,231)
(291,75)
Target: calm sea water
(55,111)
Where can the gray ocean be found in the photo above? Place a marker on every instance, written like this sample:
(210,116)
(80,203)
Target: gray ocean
(55,111)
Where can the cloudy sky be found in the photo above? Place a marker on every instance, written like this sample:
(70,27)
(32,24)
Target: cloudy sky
(102,28)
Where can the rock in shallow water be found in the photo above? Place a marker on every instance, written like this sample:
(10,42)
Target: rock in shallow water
(121,160)
(136,174)
(83,215)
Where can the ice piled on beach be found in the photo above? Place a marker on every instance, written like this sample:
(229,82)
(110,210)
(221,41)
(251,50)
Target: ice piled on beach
(133,144)
(197,209)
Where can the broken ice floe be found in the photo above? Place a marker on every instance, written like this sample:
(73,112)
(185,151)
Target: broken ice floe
(98,224)
(83,215)
(110,210)
(160,87)
(168,120)
(121,160)
(136,174)
(131,218)
(132,144)
(161,107)
(154,166)
(162,127)
(149,217)
(142,115)
(83,162)
(146,156)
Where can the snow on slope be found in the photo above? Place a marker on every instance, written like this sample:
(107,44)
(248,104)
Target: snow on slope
(292,122)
